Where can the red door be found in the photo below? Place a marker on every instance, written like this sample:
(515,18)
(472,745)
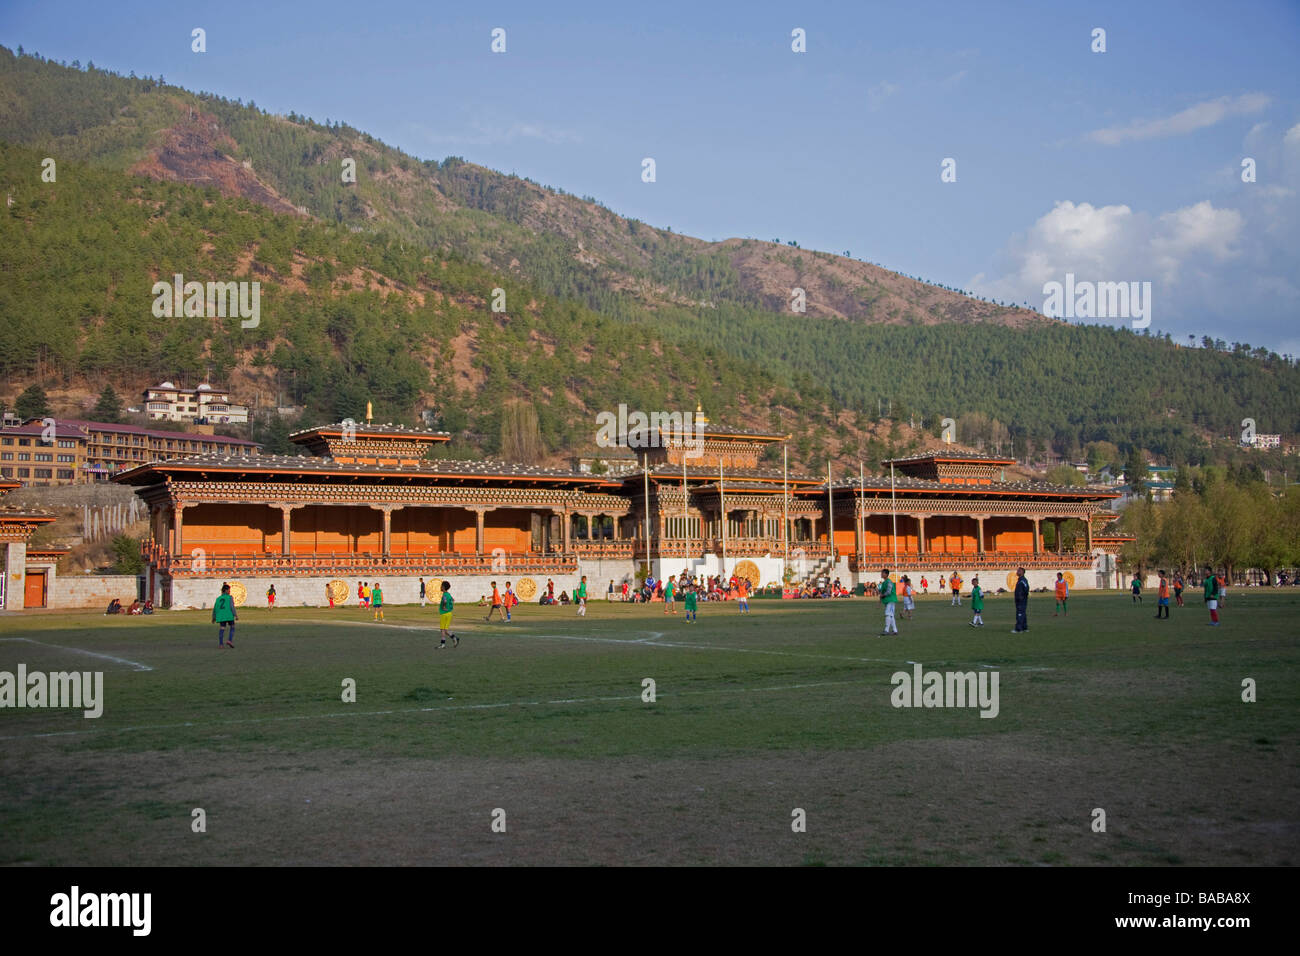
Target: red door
(34,589)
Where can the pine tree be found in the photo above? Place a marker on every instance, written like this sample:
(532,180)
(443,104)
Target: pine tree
(32,403)
(108,408)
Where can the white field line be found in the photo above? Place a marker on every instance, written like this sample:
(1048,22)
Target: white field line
(428,710)
(135,665)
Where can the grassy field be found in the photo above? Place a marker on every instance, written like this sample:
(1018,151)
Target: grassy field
(755,716)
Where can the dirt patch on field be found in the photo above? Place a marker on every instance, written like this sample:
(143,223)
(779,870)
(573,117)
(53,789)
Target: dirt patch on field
(1011,800)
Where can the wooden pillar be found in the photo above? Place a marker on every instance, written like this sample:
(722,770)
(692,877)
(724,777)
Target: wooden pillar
(1087,524)
(1038,537)
(857,531)
(616,524)
(285,512)
(388,531)
(567,521)
(478,531)
(920,535)
(979,523)
(178,530)
(1056,523)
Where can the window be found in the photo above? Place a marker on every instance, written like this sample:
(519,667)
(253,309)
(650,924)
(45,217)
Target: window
(44,473)
(66,473)
(8,441)
(67,443)
(24,456)
(24,472)
(44,456)
(7,472)
(67,458)
(6,456)
(24,441)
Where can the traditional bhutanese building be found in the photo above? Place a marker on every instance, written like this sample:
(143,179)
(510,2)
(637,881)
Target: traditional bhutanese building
(28,572)
(373,502)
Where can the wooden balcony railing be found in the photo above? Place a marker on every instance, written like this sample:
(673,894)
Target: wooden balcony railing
(349,562)
(958,561)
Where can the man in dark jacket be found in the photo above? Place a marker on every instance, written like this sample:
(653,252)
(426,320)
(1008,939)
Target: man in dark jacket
(1022,601)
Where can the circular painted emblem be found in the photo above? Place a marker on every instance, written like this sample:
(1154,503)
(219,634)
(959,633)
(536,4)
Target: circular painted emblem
(239,593)
(1069,579)
(526,589)
(1011,580)
(338,591)
(749,571)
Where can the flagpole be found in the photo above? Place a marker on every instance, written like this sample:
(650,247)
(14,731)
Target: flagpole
(785,505)
(893,506)
(722,505)
(830,510)
(862,488)
(646,473)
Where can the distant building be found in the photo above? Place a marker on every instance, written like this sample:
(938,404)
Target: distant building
(33,454)
(1264,441)
(168,402)
(82,451)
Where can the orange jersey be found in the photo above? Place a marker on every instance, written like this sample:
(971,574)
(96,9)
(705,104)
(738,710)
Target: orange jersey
(496,598)
(1164,588)
(1062,590)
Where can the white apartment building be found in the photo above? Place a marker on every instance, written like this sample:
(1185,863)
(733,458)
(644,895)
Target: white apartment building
(203,404)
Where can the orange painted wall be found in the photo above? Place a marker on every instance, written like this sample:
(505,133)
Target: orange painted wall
(329,529)
(1009,534)
(227,528)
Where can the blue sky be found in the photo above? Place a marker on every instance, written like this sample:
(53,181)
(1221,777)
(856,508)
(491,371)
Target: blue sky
(1115,166)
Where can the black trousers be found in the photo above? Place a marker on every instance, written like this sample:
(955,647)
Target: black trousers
(1022,617)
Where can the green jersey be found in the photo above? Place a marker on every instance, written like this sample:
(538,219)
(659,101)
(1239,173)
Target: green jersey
(580,593)
(445,603)
(376,598)
(977,599)
(690,600)
(888,592)
(1211,587)
(224,610)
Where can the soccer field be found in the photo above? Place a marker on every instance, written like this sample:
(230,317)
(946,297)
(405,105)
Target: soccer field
(541,726)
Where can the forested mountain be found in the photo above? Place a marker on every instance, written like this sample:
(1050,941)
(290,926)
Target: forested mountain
(381,290)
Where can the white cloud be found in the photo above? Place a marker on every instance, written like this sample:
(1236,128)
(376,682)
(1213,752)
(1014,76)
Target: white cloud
(877,95)
(1186,121)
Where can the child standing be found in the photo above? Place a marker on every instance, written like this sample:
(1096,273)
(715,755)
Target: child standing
(1137,588)
(1178,588)
(691,600)
(421,592)
(670,591)
(742,592)
(925,585)
(270,597)
(377,601)
(955,583)
(976,602)
(1062,594)
(509,601)
(445,607)
(908,603)
(223,615)
(580,595)
(1162,598)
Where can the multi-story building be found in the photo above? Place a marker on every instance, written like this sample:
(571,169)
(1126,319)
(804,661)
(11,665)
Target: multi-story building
(168,402)
(74,450)
(38,454)
(368,501)
(1265,441)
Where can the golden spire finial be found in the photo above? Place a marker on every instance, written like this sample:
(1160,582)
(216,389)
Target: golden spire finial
(370,413)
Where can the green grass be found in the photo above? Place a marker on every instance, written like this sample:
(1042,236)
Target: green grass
(786,707)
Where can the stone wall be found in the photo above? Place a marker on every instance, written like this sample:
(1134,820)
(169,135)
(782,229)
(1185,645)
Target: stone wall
(91,590)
